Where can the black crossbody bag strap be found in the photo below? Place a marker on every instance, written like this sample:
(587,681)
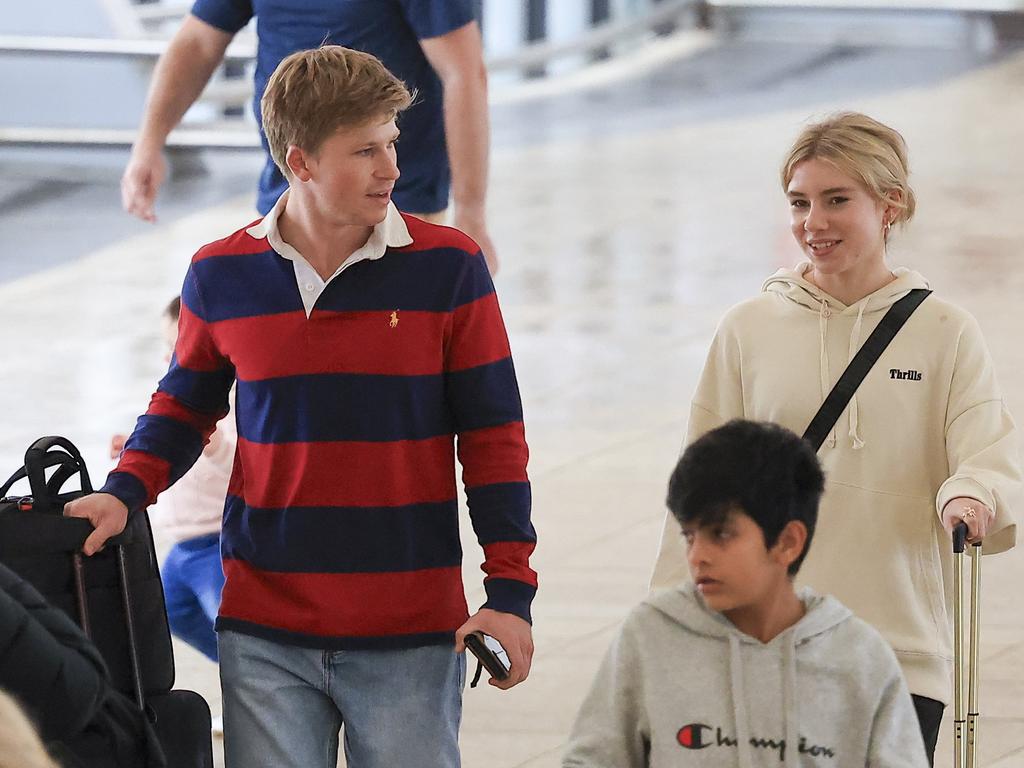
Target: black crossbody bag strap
(862,362)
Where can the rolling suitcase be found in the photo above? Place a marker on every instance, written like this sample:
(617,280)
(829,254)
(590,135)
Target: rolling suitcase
(115,596)
(965,724)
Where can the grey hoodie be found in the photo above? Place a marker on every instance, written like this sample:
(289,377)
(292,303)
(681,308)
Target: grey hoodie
(681,686)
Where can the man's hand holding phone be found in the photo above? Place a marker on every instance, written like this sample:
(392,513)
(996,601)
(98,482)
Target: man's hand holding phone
(513,633)
(489,655)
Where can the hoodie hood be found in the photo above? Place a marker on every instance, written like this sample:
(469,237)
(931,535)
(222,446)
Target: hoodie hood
(792,286)
(823,614)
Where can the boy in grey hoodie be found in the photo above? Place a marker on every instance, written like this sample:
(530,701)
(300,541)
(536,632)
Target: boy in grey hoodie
(737,668)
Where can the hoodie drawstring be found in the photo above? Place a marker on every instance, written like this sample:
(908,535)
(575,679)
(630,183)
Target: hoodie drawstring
(824,377)
(824,313)
(858,441)
(789,701)
(739,703)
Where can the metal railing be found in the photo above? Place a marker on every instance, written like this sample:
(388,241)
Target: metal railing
(235,93)
(240,133)
(961,6)
(157,13)
(598,37)
(104,48)
(226,137)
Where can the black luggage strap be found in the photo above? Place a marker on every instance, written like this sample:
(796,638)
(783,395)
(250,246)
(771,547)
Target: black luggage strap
(44,453)
(830,411)
(67,465)
(46,495)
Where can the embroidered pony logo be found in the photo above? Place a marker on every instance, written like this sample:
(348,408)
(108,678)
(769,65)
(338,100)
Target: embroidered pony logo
(394,319)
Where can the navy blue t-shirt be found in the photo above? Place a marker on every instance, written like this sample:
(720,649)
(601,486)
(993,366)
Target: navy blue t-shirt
(391,31)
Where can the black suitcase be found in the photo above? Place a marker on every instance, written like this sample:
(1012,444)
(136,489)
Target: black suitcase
(115,596)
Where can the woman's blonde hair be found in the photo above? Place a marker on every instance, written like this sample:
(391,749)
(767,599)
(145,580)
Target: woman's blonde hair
(863,148)
(314,93)
(20,746)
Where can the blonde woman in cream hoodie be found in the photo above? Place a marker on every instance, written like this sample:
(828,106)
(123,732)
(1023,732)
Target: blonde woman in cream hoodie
(925,442)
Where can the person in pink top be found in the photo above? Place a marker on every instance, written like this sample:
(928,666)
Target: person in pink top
(191,512)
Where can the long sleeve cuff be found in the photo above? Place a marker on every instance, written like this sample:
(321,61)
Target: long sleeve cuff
(127,488)
(958,486)
(509,596)
(1002,534)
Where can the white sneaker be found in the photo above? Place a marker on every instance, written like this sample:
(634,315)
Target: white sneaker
(217,726)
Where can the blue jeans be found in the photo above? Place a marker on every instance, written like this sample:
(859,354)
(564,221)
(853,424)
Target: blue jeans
(193,579)
(284,705)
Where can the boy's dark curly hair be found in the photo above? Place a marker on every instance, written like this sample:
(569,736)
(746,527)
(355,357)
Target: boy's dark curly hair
(762,469)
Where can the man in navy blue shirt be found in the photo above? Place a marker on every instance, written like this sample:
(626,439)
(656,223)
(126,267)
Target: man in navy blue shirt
(434,46)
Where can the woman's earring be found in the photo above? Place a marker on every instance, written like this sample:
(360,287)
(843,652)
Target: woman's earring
(887,227)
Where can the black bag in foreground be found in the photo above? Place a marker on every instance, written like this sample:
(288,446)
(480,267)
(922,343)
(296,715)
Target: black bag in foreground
(115,596)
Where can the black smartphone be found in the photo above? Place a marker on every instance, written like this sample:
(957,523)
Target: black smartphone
(490,653)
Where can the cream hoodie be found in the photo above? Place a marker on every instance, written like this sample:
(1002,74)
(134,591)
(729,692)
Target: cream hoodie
(927,424)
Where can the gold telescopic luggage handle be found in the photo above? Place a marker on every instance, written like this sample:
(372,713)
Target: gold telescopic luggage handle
(965,743)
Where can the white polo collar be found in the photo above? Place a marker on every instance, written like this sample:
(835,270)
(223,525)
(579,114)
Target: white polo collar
(389,233)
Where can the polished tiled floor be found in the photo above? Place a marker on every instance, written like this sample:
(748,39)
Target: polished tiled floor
(621,249)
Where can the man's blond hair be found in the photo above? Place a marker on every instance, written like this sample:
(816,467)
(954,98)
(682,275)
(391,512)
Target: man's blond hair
(314,93)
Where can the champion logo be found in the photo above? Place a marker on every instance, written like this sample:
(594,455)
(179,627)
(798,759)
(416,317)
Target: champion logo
(702,736)
(692,736)
(907,375)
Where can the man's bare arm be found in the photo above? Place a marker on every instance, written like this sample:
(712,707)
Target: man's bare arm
(457,57)
(180,75)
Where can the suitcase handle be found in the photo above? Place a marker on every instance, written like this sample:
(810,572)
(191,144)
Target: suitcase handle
(959,538)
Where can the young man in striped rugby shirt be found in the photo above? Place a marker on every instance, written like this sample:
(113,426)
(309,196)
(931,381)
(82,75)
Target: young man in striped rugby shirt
(364,342)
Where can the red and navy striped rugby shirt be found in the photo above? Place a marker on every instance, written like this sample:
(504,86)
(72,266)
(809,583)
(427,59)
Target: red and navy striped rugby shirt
(341,520)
